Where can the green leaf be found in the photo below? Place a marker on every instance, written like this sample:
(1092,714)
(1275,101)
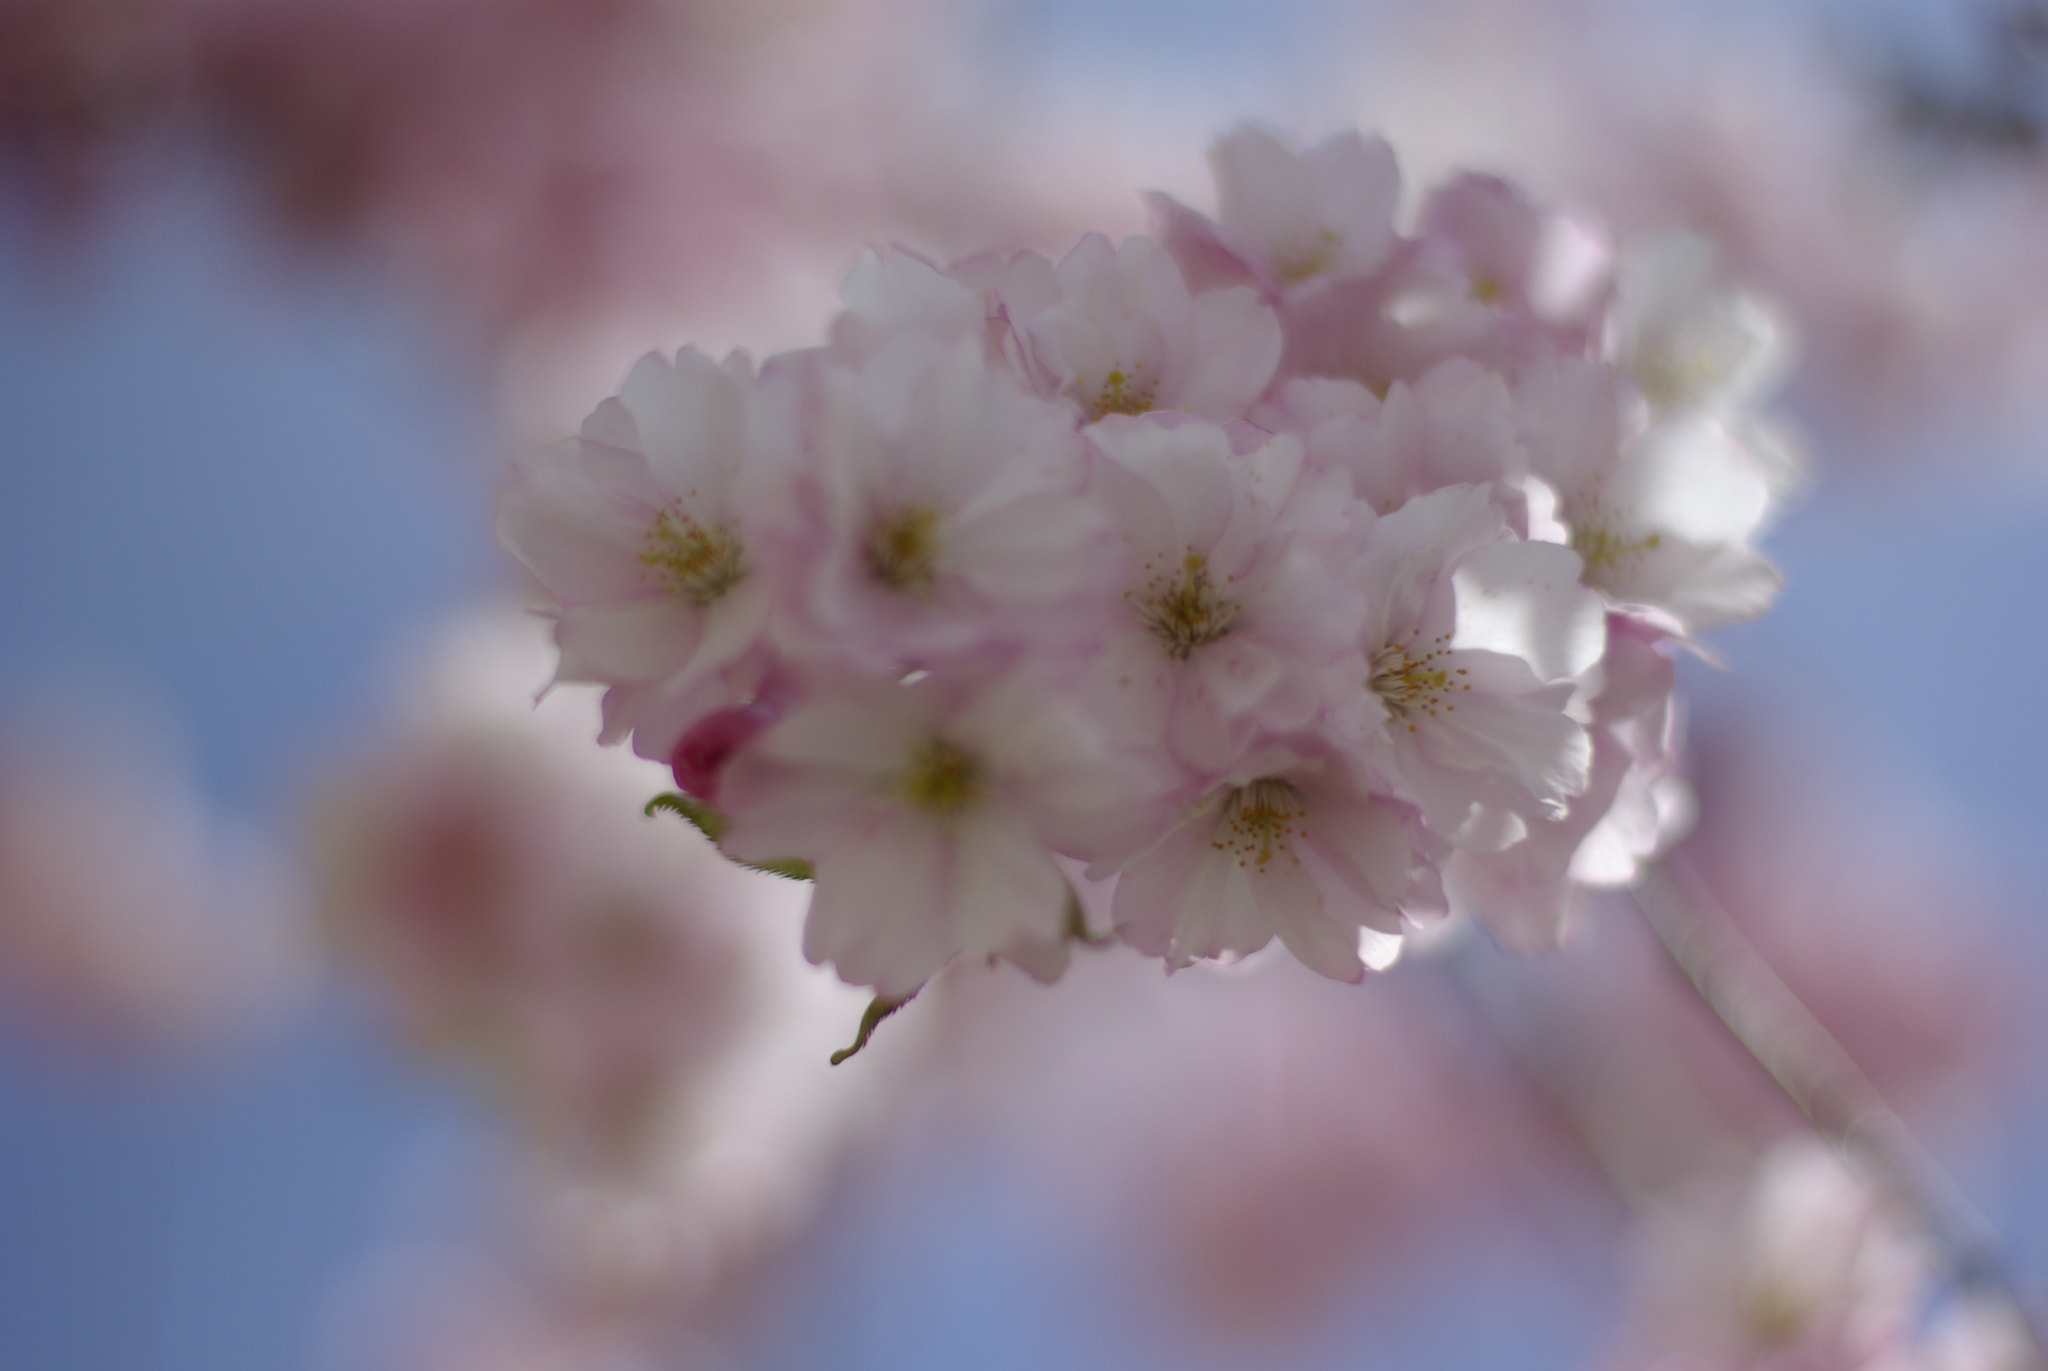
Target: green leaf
(707,820)
(879,1008)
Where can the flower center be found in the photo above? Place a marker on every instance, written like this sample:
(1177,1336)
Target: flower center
(1122,393)
(1290,267)
(941,780)
(1184,610)
(1600,547)
(1410,685)
(698,563)
(903,548)
(1259,820)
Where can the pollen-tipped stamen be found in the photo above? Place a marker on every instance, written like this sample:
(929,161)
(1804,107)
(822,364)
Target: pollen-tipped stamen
(698,563)
(903,548)
(1187,611)
(1261,821)
(941,780)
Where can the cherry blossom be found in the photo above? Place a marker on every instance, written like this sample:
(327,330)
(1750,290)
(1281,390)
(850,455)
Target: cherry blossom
(931,812)
(1126,336)
(1472,649)
(1230,609)
(1290,220)
(1289,521)
(646,529)
(1287,846)
(1800,1263)
(941,512)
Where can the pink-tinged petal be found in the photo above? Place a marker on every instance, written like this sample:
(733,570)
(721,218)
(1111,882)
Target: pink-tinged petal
(733,624)
(1005,886)
(1202,735)
(1288,898)
(1525,600)
(1569,414)
(691,417)
(1132,684)
(1236,348)
(1366,846)
(583,547)
(867,733)
(881,911)
(1359,185)
(1237,673)
(1206,261)
(636,641)
(893,290)
(1037,549)
(1219,916)
(1704,586)
(699,759)
(1545,750)
(1693,479)
(1498,232)
(1472,437)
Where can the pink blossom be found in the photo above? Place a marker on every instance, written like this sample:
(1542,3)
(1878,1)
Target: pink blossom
(1286,846)
(1125,336)
(647,531)
(1688,341)
(1231,605)
(1798,1265)
(1290,219)
(931,812)
(1630,810)
(1473,646)
(940,512)
(633,1003)
(133,921)
(1668,527)
(1454,426)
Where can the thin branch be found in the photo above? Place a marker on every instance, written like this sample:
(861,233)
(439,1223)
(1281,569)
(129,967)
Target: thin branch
(1821,1078)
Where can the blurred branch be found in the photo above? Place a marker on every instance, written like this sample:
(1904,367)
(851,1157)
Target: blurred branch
(1821,1078)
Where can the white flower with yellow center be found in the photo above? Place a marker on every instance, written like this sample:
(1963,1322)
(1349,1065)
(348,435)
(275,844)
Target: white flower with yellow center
(1286,848)
(1464,696)
(931,813)
(646,532)
(941,513)
(1125,336)
(1229,607)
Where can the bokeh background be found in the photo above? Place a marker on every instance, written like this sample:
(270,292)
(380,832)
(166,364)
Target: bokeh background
(283,281)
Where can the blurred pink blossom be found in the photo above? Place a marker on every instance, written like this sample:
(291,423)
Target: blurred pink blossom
(132,919)
(633,1001)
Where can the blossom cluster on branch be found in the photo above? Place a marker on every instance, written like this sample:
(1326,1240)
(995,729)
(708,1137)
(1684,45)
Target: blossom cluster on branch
(1300,575)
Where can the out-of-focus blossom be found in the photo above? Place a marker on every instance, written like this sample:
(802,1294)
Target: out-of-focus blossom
(1809,145)
(1798,1265)
(633,1000)
(1835,883)
(555,174)
(1255,1142)
(132,919)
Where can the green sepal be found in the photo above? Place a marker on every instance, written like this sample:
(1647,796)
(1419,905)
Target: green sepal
(711,824)
(792,868)
(703,817)
(879,1008)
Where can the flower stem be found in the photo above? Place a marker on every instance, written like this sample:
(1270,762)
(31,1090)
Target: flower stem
(1760,1011)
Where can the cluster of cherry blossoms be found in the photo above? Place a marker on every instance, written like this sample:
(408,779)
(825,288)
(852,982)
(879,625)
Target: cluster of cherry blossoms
(1289,575)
